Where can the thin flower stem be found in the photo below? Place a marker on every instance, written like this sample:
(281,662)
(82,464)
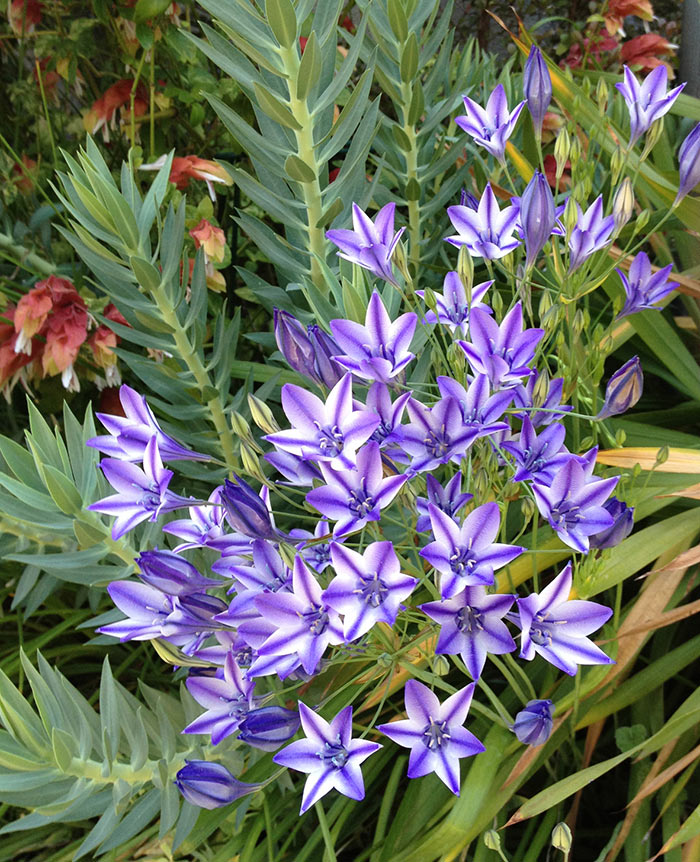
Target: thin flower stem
(327,839)
(520,694)
(40,78)
(411,156)
(271,856)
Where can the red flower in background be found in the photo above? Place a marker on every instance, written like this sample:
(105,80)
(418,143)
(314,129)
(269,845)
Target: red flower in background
(103,113)
(24,174)
(618,10)
(550,172)
(11,361)
(102,343)
(24,12)
(645,52)
(593,47)
(186,168)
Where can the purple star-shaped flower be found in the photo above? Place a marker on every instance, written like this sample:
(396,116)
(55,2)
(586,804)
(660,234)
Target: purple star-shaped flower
(368,588)
(142,494)
(688,164)
(434,732)
(538,458)
(205,528)
(387,433)
(591,233)
(305,623)
(453,306)
(623,522)
(294,468)
(486,232)
(330,432)
(329,755)
(316,554)
(502,352)
(129,435)
(557,629)
(647,101)
(491,126)
(371,243)
(480,410)
(467,556)
(269,572)
(573,505)
(227,697)
(644,288)
(472,625)
(379,349)
(545,397)
(353,497)
(172,574)
(436,435)
(308,350)
(449,500)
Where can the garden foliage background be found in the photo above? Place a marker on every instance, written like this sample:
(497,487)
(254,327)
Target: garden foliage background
(171,170)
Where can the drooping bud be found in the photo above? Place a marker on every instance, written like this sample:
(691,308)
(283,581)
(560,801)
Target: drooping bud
(172,574)
(268,727)
(621,527)
(210,785)
(326,369)
(623,204)
(537,88)
(533,724)
(624,389)
(245,510)
(689,164)
(294,343)
(537,216)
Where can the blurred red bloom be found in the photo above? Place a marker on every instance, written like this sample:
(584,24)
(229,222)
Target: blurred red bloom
(593,47)
(102,343)
(645,52)
(550,171)
(618,10)
(27,12)
(11,361)
(186,168)
(24,174)
(102,114)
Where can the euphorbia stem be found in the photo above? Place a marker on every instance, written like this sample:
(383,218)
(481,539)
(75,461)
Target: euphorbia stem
(414,232)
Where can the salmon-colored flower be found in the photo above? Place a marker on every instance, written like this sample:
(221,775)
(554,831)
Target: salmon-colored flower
(24,174)
(11,361)
(594,46)
(102,343)
(24,16)
(645,53)
(618,10)
(186,168)
(103,113)
(211,238)
(31,314)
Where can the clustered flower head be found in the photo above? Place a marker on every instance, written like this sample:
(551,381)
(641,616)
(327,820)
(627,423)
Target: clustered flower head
(385,474)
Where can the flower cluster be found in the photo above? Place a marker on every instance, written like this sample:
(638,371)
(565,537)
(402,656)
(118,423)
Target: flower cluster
(401,534)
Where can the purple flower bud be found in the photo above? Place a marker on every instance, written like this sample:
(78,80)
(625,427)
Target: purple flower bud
(624,389)
(533,724)
(294,343)
(268,727)
(537,87)
(467,199)
(210,785)
(172,574)
(324,348)
(245,510)
(537,216)
(621,528)
(689,163)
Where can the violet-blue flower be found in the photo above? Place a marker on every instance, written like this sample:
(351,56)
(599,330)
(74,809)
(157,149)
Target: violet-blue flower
(453,306)
(305,623)
(502,353)
(330,432)
(227,697)
(308,351)
(210,785)
(370,244)
(648,101)
(436,435)
(472,625)
(129,434)
(269,572)
(246,511)
(467,556)
(624,389)
(480,409)
(205,528)
(623,522)
(368,588)
(316,554)
(643,287)
(449,499)
(268,727)
(390,414)
(353,497)
(557,629)
(486,232)
(172,573)
(493,125)
(688,164)
(379,349)
(543,399)
(533,724)
(537,216)
(435,733)
(538,457)
(573,505)
(591,233)
(329,755)
(142,494)
(537,87)
(146,608)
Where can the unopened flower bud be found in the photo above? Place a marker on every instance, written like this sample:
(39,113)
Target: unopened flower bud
(624,389)
(545,303)
(689,164)
(623,522)
(623,204)
(465,270)
(172,574)
(540,390)
(620,438)
(575,150)
(561,838)
(533,724)
(441,665)
(210,785)
(492,840)
(241,429)
(571,215)
(246,512)
(262,415)
(268,727)
(587,443)
(642,221)
(527,509)
(537,216)
(497,303)
(602,93)
(617,162)
(250,462)
(562,146)
(662,456)
(652,137)
(537,88)
(578,323)
(456,359)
